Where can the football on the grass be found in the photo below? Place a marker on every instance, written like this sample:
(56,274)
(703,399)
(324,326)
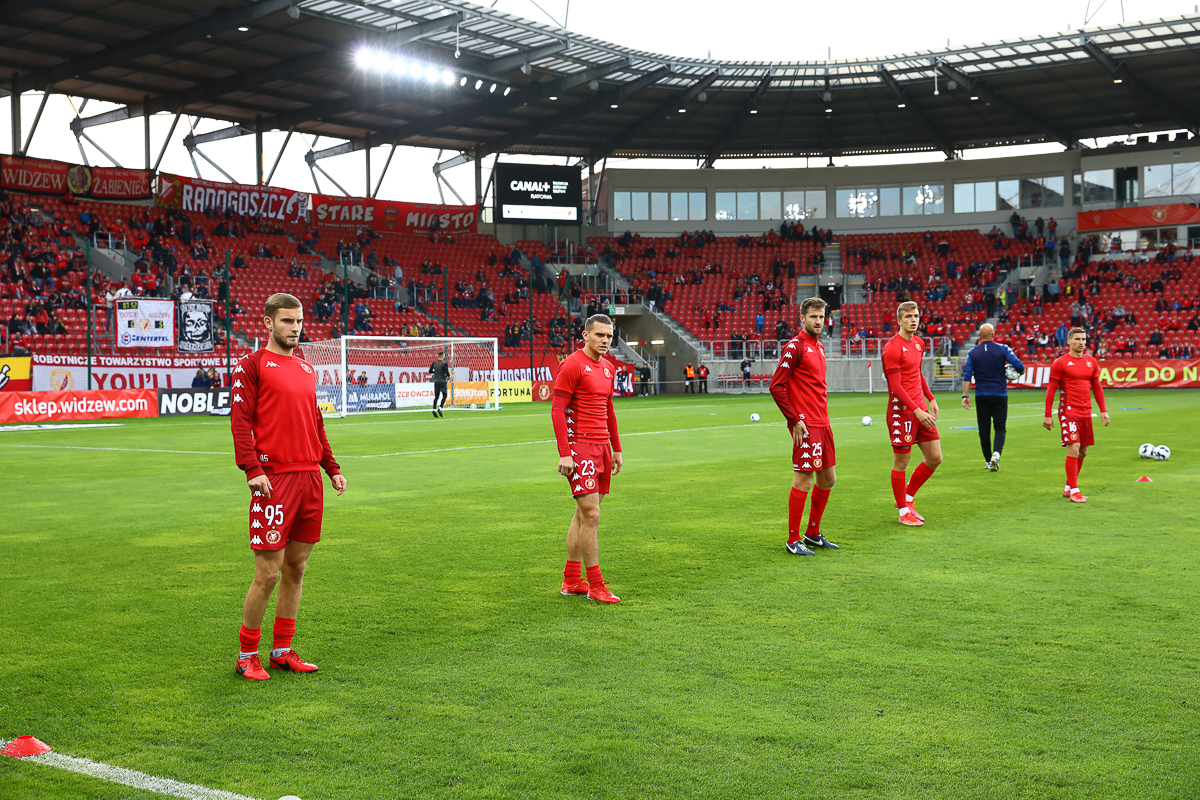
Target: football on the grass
(755,417)
(1146,450)
(1162,453)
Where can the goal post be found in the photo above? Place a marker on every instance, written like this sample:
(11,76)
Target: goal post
(373,374)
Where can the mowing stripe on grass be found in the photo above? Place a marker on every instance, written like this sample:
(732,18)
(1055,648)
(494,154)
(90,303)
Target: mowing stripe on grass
(129,777)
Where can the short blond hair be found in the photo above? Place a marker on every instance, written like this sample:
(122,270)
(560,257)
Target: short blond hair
(905,307)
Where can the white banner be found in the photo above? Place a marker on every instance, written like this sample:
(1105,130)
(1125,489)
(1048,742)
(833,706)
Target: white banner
(145,323)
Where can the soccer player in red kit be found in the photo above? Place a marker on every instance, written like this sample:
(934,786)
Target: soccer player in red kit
(279,441)
(800,391)
(910,418)
(589,449)
(1079,377)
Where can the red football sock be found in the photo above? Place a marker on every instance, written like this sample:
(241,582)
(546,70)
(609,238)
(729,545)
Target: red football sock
(1079,465)
(898,487)
(820,498)
(572,571)
(1072,472)
(593,575)
(283,632)
(249,639)
(919,476)
(796,500)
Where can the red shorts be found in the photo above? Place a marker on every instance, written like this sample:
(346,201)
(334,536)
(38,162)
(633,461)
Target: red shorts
(293,514)
(1076,430)
(593,468)
(904,429)
(815,453)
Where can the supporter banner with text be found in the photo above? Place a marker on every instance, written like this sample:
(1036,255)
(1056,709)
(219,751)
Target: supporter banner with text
(1137,217)
(145,323)
(53,373)
(16,374)
(41,176)
(66,406)
(1133,374)
(389,216)
(196,194)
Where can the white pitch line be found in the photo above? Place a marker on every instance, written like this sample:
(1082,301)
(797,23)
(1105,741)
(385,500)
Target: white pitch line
(129,777)
(116,449)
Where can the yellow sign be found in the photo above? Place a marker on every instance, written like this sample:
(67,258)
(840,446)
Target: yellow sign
(465,393)
(15,374)
(513,392)
(327,408)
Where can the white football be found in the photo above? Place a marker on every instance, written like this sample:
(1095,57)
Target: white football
(1011,373)
(1146,450)
(755,417)
(1162,453)
(866,421)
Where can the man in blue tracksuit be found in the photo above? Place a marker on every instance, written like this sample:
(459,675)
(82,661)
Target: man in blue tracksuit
(985,363)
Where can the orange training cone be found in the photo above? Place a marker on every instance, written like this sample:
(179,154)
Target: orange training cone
(1145,479)
(24,746)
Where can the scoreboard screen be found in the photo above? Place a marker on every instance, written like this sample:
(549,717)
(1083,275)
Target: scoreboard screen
(538,193)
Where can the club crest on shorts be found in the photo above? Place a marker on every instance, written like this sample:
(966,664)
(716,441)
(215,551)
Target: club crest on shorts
(273,537)
(816,463)
(908,437)
(590,483)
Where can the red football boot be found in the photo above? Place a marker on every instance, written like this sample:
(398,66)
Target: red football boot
(250,667)
(1078,497)
(600,593)
(912,510)
(568,589)
(907,517)
(291,662)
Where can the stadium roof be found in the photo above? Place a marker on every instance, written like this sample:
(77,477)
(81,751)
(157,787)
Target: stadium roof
(309,65)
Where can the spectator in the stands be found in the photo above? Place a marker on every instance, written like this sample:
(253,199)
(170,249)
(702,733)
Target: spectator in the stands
(200,381)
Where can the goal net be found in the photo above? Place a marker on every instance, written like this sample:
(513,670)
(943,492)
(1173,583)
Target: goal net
(371,374)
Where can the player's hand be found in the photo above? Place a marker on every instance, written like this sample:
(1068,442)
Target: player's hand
(618,461)
(339,483)
(261,484)
(1046,424)
(936,410)
(966,402)
(566,466)
(799,433)
(1104,416)
(924,417)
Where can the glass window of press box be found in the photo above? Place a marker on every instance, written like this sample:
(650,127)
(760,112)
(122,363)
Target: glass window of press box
(1010,194)
(891,201)
(660,206)
(1170,180)
(770,205)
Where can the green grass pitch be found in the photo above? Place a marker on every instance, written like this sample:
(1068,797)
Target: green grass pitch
(1017,646)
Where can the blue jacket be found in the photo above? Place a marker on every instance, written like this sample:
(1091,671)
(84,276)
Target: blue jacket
(986,363)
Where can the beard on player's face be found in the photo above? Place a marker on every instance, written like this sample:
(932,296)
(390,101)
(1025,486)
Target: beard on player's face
(285,338)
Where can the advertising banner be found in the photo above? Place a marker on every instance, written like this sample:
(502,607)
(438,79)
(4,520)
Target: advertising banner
(41,176)
(543,391)
(196,326)
(1132,374)
(67,406)
(380,397)
(145,323)
(1137,217)
(511,392)
(183,402)
(389,216)
(196,194)
(466,393)
(55,373)
(16,374)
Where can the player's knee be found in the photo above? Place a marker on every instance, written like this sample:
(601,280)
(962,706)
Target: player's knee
(266,580)
(933,460)
(590,514)
(293,573)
